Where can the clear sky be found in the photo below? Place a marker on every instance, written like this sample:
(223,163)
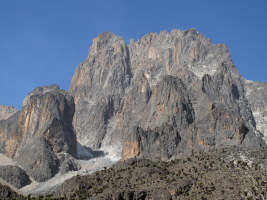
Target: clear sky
(42,41)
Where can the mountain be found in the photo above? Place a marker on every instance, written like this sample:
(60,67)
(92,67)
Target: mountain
(7,111)
(166,97)
(40,137)
(256,94)
(163,96)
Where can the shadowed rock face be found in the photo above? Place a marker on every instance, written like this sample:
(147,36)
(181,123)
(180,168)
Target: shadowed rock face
(10,137)
(162,96)
(256,93)
(99,84)
(14,175)
(36,136)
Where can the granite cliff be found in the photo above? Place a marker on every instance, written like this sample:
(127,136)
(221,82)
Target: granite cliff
(163,96)
(7,111)
(256,93)
(40,137)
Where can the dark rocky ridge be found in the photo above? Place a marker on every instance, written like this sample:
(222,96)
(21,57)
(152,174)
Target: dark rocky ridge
(131,99)
(41,136)
(14,175)
(7,193)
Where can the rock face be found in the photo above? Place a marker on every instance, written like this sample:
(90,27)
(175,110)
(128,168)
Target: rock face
(160,97)
(14,175)
(98,86)
(164,96)
(7,111)
(10,136)
(256,93)
(41,136)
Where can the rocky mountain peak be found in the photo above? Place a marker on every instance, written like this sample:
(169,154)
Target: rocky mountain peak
(180,49)
(39,91)
(165,96)
(256,94)
(105,41)
(40,137)
(6,111)
(44,89)
(130,98)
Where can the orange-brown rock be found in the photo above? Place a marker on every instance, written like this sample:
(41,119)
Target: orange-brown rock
(162,96)
(37,135)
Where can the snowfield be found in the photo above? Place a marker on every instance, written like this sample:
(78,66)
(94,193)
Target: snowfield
(87,167)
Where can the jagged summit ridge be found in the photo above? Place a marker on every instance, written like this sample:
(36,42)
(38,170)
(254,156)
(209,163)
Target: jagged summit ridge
(164,96)
(188,49)
(7,111)
(126,94)
(40,90)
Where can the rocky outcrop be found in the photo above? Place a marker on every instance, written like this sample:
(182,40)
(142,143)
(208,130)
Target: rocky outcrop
(163,96)
(256,93)
(14,175)
(7,193)
(98,86)
(228,174)
(37,136)
(7,111)
(10,137)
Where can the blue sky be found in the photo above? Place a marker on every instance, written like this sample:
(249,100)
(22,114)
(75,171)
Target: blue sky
(42,41)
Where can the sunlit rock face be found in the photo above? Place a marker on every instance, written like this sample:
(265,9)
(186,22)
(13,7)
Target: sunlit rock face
(40,136)
(99,85)
(7,111)
(256,93)
(163,96)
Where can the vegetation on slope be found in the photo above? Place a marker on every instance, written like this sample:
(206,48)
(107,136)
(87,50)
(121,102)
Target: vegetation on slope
(225,174)
(228,174)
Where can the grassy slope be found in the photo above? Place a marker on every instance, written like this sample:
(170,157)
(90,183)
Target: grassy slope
(228,174)
(216,175)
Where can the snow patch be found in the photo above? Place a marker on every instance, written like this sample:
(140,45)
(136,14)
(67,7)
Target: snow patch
(112,152)
(87,167)
(200,71)
(112,149)
(47,186)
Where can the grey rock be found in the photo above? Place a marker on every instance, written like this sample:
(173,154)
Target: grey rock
(162,96)
(256,94)
(43,129)
(7,193)
(7,111)
(67,163)
(14,175)
(46,121)
(10,136)
(98,89)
